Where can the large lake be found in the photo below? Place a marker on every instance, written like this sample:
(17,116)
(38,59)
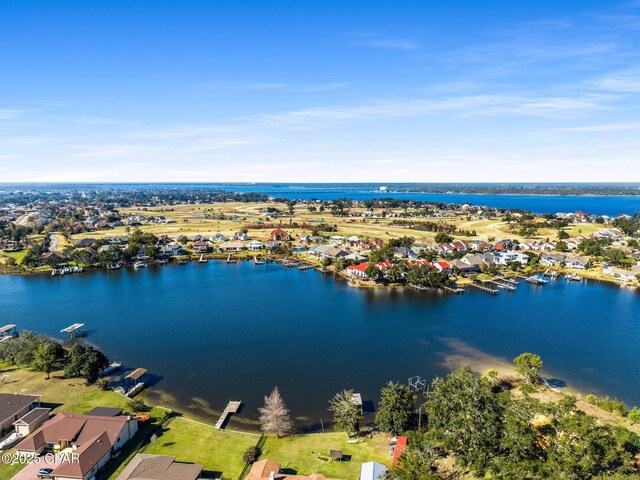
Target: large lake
(216,331)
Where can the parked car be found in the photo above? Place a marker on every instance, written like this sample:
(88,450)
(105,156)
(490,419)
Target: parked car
(45,472)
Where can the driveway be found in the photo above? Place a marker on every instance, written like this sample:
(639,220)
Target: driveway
(30,471)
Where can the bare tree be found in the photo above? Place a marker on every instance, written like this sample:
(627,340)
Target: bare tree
(274,416)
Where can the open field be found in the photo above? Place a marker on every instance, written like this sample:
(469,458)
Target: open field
(218,450)
(308,453)
(230,218)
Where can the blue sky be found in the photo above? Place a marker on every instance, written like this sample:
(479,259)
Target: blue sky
(298,91)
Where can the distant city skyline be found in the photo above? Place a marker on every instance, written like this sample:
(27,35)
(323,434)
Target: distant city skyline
(384,92)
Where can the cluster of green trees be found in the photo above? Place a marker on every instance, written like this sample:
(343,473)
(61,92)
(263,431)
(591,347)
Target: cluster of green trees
(43,354)
(439,227)
(493,433)
(629,225)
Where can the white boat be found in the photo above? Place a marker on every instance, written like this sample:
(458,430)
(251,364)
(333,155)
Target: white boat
(139,265)
(110,369)
(11,440)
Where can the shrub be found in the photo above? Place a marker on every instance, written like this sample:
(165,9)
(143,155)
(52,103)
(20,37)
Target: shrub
(103,384)
(592,399)
(251,454)
(136,406)
(634,414)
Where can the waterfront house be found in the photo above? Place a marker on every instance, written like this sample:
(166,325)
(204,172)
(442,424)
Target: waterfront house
(270,470)
(551,259)
(14,406)
(159,467)
(93,438)
(577,263)
(358,271)
(200,247)
(326,251)
(505,257)
(52,258)
(443,266)
(255,245)
(236,246)
(280,235)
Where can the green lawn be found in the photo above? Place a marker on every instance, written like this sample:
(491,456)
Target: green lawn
(301,453)
(218,450)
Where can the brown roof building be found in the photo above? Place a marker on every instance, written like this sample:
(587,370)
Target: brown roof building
(13,406)
(159,467)
(270,470)
(93,438)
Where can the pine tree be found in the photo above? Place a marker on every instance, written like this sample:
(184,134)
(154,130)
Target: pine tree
(274,416)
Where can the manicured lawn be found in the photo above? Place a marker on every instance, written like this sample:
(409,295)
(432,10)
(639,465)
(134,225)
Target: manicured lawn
(301,453)
(73,394)
(218,450)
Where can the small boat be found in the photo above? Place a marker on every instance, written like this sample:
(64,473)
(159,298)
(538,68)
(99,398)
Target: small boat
(181,261)
(163,261)
(11,440)
(574,277)
(258,261)
(115,366)
(113,266)
(139,265)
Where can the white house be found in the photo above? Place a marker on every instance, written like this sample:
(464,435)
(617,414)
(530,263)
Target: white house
(255,245)
(577,263)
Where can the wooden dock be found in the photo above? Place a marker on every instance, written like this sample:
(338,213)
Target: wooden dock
(456,290)
(232,407)
(482,288)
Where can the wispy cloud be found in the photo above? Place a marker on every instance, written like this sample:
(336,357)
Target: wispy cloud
(276,86)
(377,41)
(611,127)
(12,113)
(623,82)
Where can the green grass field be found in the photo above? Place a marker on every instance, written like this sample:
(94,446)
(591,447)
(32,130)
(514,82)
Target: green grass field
(218,450)
(307,454)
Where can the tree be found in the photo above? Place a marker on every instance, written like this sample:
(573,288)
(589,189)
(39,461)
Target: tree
(397,406)
(442,237)
(529,365)
(274,416)
(415,464)
(562,246)
(465,416)
(44,357)
(251,454)
(562,235)
(85,362)
(372,272)
(346,413)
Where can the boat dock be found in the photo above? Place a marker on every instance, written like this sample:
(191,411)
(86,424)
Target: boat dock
(456,290)
(7,332)
(503,286)
(232,407)
(508,280)
(230,260)
(74,331)
(485,289)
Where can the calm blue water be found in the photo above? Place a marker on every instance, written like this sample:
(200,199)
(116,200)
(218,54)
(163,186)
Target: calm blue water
(218,331)
(598,205)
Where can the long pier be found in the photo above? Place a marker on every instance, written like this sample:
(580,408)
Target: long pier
(508,280)
(231,408)
(482,288)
